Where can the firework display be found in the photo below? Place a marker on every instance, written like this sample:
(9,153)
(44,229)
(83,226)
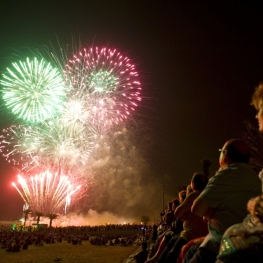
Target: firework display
(46,192)
(107,80)
(33,90)
(49,145)
(66,110)
(14,144)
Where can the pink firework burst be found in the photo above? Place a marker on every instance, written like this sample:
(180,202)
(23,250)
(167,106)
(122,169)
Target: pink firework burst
(108,83)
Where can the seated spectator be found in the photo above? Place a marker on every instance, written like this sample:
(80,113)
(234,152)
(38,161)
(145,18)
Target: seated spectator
(223,201)
(141,257)
(255,205)
(176,228)
(193,226)
(250,231)
(169,216)
(189,249)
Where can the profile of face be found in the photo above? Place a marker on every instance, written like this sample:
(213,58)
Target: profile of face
(259,116)
(222,157)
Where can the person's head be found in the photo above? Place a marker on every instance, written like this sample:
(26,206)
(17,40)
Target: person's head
(176,203)
(257,101)
(234,151)
(169,206)
(182,196)
(199,181)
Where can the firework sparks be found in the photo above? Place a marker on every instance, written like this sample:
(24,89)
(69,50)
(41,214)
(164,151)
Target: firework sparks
(46,192)
(15,142)
(108,82)
(33,90)
(52,144)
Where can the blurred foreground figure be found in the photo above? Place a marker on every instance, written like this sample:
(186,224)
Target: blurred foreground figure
(244,242)
(255,205)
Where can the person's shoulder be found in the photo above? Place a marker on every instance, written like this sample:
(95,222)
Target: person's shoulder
(242,168)
(192,196)
(232,169)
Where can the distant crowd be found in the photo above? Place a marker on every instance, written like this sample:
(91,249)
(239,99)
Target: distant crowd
(15,240)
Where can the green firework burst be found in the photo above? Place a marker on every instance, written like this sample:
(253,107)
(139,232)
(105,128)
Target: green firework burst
(33,90)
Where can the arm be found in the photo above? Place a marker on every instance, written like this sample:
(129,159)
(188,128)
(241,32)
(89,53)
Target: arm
(180,212)
(183,209)
(201,208)
(255,207)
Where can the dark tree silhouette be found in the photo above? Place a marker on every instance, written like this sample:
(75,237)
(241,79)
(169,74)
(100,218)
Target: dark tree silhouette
(38,215)
(145,219)
(52,217)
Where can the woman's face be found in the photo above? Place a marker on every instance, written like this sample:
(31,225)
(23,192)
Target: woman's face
(259,116)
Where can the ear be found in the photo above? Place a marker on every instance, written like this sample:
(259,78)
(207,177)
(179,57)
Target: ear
(226,159)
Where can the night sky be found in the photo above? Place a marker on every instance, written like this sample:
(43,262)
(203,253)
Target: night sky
(199,63)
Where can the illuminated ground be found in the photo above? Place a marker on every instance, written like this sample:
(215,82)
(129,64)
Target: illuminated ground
(69,253)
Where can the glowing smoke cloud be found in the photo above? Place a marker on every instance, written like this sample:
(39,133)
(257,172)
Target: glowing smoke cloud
(122,184)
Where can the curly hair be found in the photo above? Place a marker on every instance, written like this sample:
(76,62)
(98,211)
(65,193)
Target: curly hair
(257,96)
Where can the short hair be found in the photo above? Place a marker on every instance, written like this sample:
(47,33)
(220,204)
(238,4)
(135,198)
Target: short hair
(170,205)
(238,151)
(182,194)
(176,202)
(199,180)
(257,96)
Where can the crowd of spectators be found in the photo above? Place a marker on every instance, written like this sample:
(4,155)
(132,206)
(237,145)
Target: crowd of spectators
(206,210)
(20,238)
(222,219)
(215,220)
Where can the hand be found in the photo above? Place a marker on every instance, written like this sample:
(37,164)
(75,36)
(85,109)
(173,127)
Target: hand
(205,220)
(208,214)
(255,207)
